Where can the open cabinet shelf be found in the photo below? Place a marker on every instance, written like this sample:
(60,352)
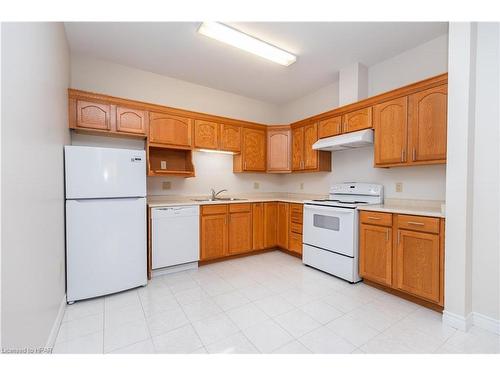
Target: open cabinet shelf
(178,162)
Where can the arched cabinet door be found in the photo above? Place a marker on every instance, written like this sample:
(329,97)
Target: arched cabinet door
(130,121)
(91,115)
(230,138)
(170,130)
(206,134)
(427,124)
(254,150)
(357,120)
(391,136)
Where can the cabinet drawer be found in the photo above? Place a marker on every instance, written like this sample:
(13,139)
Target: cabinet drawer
(418,223)
(296,227)
(295,244)
(214,209)
(376,218)
(240,207)
(296,213)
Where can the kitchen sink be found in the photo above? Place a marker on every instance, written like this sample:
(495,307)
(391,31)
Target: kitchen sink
(218,199)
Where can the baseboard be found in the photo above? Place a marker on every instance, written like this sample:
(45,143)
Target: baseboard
(457,321)
(173,269)
(57,323)
(485,322)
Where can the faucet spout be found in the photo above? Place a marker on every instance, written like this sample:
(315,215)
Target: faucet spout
(215,194)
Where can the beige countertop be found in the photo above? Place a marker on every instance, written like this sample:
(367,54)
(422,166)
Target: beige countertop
(408,207)
(172,200)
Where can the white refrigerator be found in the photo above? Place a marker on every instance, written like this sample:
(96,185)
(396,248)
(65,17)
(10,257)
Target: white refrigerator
(105,221)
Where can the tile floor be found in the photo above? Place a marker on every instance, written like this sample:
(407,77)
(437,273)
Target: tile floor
(268,303)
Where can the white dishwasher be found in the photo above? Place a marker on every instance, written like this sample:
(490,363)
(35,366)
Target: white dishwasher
(175,238)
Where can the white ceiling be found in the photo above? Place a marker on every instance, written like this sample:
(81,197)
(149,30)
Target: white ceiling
(176,50)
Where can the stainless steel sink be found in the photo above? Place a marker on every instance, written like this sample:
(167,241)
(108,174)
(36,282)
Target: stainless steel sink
(218,199)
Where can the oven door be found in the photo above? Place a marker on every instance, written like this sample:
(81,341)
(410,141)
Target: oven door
(330,228)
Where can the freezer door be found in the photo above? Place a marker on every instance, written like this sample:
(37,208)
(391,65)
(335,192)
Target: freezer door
(105,246)
(96,172)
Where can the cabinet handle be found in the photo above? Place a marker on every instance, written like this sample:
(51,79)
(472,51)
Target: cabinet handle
(415,223)
(245,165)
(399,236)
(374,218)
(387,235)
(403,152)
(414,154)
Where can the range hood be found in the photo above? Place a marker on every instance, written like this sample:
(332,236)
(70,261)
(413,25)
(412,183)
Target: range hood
(347,141)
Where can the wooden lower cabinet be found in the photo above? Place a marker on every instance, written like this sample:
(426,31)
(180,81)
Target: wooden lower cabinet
(213,242)
(282,224)
(258,226)
(239,232)
(404,253)
(375,261)
(295,228)
(270,224)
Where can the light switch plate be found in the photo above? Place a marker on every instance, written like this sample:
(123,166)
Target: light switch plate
(166,185)
(256,185)
(163,164)
(399,187)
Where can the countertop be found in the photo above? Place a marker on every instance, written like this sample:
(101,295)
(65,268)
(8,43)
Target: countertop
(408,207)
(171,200)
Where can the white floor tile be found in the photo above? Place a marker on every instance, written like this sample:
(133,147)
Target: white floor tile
(297,297)
(343,302)
(81,327)
(321,311)
(166,320)
(123,315)
(234,344)
(186,297)
(294,347)
(267,336)
(89,344)
(182,340)
(324,341)
(216,288)
(82,309)
(214,328)
(247,315)
(201,309)
(297,322)
(142,347)
(256,291)
(476,340)
(274,305)
(353,330)
(116,337)
(121,300)
(230,300)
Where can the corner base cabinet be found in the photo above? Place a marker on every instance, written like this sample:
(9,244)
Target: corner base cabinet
(404,253)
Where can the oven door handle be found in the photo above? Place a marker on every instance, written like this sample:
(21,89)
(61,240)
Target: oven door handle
(313,208)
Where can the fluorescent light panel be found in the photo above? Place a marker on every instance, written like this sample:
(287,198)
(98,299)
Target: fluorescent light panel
(246,42)
(216,151)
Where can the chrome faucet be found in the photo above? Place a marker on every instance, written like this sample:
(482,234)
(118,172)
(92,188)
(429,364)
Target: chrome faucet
(215,194)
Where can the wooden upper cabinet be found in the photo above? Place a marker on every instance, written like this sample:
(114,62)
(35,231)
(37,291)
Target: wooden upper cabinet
(91,115)
(258,225)
(390,125)
(230,138)
(427,124)
(282,224)
(270,224)
(330,127)
(310,155)
(357,120)
(206,134)
(418,264)
(240,232)
(254,150)
(131,121)
(298,149)
(375,253)
(279,150)
(170,130)
(213,242)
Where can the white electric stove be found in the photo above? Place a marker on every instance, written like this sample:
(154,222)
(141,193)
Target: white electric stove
(330,240)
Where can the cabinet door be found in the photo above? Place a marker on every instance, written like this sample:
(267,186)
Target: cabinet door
(206,134)
(357,120)
(282,223)
(427,124)
(93,115)
(258,225)
(270,224)
(310,155)
(130,121)
(298,149)
(170,130)
(230,138)
(254,150)
(278,150)
(417,264)
(213,236)
(375,253)
(390,124)
(240,233)
(330,127)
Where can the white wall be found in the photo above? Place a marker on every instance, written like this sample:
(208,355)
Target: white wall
(113,79)
(35,77)
(424,61)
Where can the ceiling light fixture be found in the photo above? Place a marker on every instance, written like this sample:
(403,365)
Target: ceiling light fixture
(246,42)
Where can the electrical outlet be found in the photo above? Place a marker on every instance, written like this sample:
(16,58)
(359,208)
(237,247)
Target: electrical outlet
(256,185)
(163,164)
(301,186)
(166,185)
(399,187)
